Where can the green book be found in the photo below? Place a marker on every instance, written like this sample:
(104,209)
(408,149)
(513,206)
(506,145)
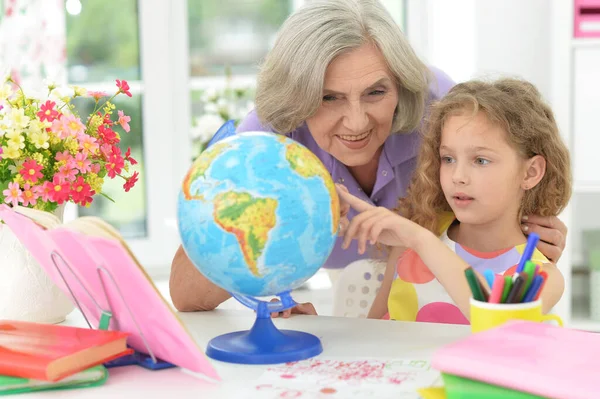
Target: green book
(464,388)
(91,377)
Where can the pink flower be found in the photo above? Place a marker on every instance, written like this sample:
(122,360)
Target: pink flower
(60,191)
(30,195)
(72,126)
(44,191)
(124,121)
(88,144)
(1,150)
(66,174)
(47,111)
(81,191)
(59,128)
(95,168)
(82,163)
(97,94)
(123,87)
(31,171)
(63,156)
(129,183)
(13,194)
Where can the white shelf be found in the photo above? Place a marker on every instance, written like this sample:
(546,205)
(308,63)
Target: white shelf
(586,188)
(586,42)
(585,324)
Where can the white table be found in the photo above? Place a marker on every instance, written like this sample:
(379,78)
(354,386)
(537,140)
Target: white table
(340,337)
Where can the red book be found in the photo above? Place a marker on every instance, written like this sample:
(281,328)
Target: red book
(51,352)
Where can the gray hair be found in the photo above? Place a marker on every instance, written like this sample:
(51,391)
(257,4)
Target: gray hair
(290,81)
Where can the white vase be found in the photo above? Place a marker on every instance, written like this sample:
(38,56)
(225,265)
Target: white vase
(26,291)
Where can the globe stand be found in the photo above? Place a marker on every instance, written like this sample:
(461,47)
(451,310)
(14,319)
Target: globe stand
(264,343)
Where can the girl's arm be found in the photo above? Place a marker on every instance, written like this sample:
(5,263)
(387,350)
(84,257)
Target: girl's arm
(379,307)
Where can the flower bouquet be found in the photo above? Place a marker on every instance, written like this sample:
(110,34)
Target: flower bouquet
(49,155)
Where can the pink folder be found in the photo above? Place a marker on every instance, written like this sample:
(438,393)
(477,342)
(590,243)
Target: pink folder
(101,274)
(537,358)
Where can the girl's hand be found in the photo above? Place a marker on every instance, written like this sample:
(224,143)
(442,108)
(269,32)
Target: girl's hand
(344,209)
(552,232)
(377,224)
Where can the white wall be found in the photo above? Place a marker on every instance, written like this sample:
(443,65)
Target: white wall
(484,38)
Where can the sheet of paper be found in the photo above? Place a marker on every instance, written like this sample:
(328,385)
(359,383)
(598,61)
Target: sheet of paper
(334,378)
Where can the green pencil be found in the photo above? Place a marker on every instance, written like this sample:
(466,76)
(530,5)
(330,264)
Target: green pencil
(474,285)
(507,286)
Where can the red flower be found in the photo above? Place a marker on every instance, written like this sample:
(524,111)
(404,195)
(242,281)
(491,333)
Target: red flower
(47,111)
(129,158)
(123,87)
(107,135)
(114,166)
(60,191)
(80,191)
(31,171)
(129,183)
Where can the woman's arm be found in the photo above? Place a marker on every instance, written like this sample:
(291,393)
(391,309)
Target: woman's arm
(553,288)
(190,290)
(379,307)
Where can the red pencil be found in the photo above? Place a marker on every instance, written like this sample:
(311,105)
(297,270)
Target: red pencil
(497,289)
(544,276)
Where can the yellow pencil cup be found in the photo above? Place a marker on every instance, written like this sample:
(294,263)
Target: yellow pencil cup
(485,316)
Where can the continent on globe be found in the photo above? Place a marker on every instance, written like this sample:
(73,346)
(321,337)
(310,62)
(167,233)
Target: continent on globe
(199,169)
(250,219)
(296,155)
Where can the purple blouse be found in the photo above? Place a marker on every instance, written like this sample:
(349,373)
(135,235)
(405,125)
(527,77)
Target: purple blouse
(396,165)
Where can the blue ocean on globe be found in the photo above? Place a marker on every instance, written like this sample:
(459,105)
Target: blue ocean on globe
(258,214)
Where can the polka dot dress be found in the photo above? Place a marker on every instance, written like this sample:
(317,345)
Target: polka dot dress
(416,295)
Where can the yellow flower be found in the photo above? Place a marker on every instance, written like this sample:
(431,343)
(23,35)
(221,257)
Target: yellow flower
(95,122)
(15,139)
(19,179)
(40,139)
(79,91)
(5,91)
(71,144)
(10,152)
(18,118)
(39,158)
(94,181)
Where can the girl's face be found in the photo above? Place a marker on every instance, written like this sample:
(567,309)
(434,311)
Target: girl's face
(356,114)
(482,176)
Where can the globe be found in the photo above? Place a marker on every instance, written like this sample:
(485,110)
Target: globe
(258,214)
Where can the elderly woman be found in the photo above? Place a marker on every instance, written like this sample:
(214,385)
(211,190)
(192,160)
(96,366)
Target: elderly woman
(342,80)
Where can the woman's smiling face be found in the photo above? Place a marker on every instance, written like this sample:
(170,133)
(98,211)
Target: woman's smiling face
(356,114)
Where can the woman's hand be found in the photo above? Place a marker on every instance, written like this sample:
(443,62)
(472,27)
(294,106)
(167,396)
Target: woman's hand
(377,224)
(301,308)
(552,232)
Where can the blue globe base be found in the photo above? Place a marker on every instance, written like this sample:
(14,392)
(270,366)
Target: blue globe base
(264,344)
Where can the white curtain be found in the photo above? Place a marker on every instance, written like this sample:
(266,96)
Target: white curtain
(33,41)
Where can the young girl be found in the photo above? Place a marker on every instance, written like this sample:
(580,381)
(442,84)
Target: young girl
(492,153)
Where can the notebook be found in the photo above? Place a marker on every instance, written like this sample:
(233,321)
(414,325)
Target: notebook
(91,377)
(536,358)
(102,273)
(51,352)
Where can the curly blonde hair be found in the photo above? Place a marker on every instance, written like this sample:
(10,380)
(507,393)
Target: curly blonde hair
(518,108)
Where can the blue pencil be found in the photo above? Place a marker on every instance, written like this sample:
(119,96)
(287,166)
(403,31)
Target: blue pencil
(533,289)
(489,277)
(532,241)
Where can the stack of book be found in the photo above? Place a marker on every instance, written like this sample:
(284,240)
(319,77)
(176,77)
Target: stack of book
(36,356)
(521,360)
